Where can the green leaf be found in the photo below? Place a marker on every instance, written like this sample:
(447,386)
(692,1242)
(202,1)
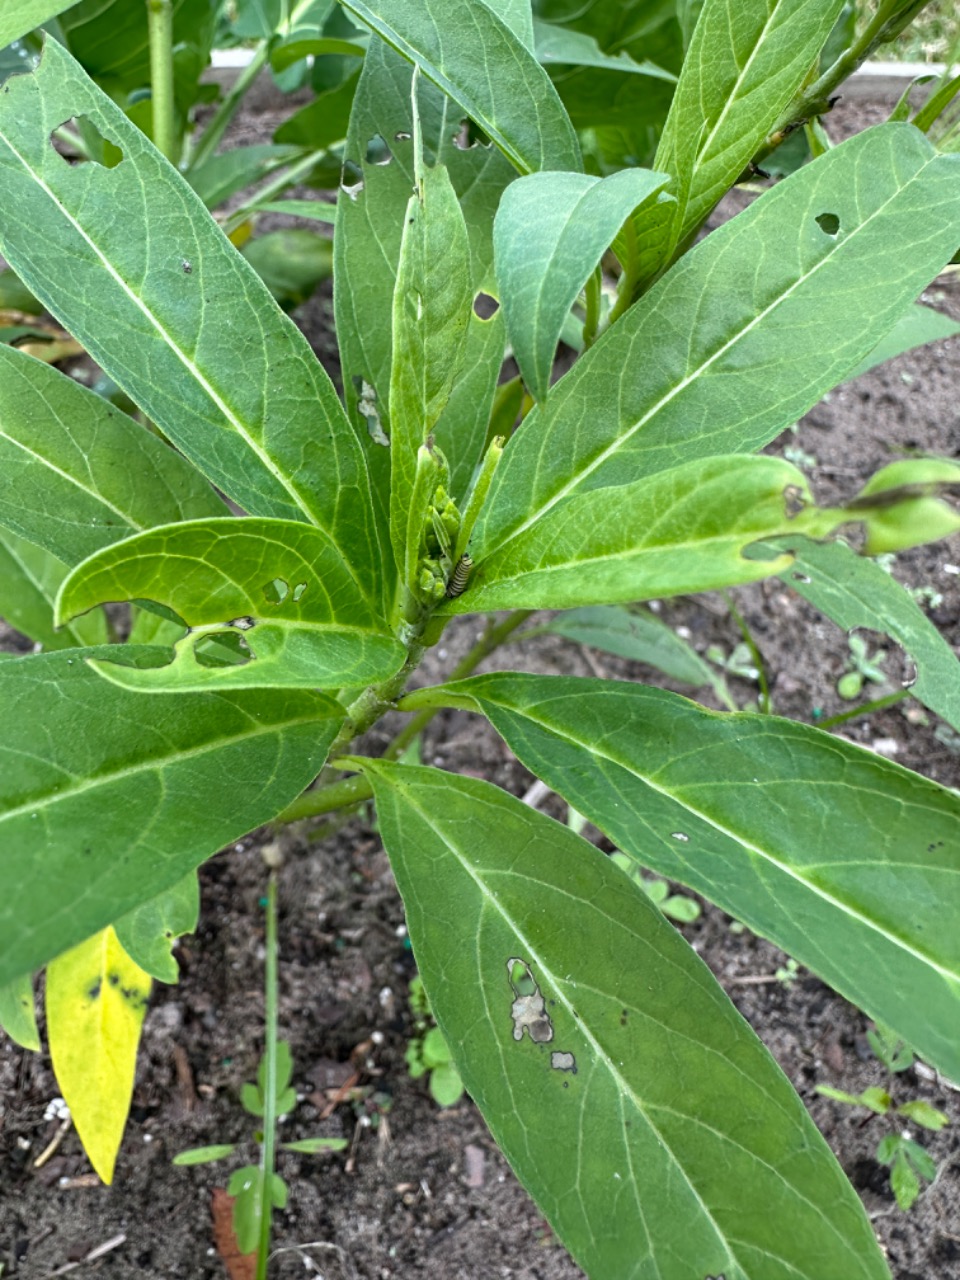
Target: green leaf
(431,306)
(916,327)
(367,252)
(744,65)
(921,1159)
(686,530)
(767,282)
(284,1073)
(296,46)
(291,262)
(205,1155)
(561,46)
(313,1146)
(446,1086)
(315,210)
(147,934)
(77,474)
(29,580)
(251,1099)
(170,310)
(550,232)
(746,810)
(640,636)
(18,17)
(108,798)
(96,998)
(18,1017)
(923,1114)
(244,1186)
(222,176)
(903,1180)
(277,588)
(322,122)
(856,592)
(564,994)
(475,58)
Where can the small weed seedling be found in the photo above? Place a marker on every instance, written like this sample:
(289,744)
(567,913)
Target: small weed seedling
(908,1160)
(862,665)
(257,1189)
(428,1052)
(675,906)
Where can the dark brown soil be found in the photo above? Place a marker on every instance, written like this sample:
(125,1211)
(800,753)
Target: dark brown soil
(401,1206)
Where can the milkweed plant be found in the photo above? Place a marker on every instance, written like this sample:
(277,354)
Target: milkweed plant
(288,556)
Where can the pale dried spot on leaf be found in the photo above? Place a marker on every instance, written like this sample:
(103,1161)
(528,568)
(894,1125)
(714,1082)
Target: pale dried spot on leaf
(529,1010)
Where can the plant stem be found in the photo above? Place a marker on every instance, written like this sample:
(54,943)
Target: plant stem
(270,1081)
(338,795)
(865,709)
(160,28)
(591,321)
(755,653)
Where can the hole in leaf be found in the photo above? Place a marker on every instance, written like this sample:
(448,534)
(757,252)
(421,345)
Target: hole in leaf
(377,151)
(485,307)
(299,589)
(276,591)
(78,140)
(352,191)
(828,223)
(225,649)
(469,135)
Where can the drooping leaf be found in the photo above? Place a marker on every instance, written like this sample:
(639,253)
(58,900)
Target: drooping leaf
(223,175)
(96,998)
(561,46)
(549,234)
(29,580)
(563,995)
(108,798)
(275,590)
(848,879)
(174,314)
(471,54)
(743,67)
(379,154)
(148,933)
(771,281)
(323,121)
(76,473)
(687,530)
(18,1018)
(917,326)
(856,592)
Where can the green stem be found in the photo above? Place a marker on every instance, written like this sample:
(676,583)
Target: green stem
(228,108)
(287,176)
(267,1148)
(339,795)
(160,28)
(591,321)
(754,653)
(865,709)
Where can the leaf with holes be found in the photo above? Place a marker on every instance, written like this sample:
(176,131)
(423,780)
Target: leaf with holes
(769,284)
(746,809)
(636,1105)
(174,314)
(107,800)
(266,603)
(474,56)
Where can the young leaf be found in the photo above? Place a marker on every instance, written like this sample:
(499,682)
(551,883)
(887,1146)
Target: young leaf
(107,798)
(728,804)
(96,998)
(148,933)
(245,1187)
(205,1155)
(279,586)
(214,363)
(77,473)
(476,59)
(856,592)
(923,1114)
(549,234)
(29,580)
(769,282)
(903,1180)
(312,1146)
(742,69)
(562,993)
(17,1015)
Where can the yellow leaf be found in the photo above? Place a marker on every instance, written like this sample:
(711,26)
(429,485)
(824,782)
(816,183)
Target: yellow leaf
(96,998)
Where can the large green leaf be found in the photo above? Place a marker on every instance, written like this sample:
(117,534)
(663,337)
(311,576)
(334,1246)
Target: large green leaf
(431,307)
(174,314)
(276,590)
(842,858)
(855,592)
(699,366)
(470,53)
(77,474)
(18,17)
(29,580)
(108,798)
(687,530)
(549,234)
(746,60)
(369,230)
(650,1124)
